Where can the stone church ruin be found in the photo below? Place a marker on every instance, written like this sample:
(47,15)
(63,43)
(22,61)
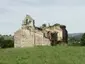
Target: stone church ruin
(29,35)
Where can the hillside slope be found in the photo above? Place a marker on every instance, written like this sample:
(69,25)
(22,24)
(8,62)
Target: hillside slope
(43,55)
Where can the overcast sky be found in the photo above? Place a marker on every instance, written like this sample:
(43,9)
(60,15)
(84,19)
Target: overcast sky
(68,12)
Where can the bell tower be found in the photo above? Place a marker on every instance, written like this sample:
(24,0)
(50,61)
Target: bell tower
(28,22)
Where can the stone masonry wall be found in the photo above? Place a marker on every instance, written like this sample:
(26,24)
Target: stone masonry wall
(26,38)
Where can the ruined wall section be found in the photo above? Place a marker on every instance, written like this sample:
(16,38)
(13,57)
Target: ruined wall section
(24,38)
(40,39)
(27,38)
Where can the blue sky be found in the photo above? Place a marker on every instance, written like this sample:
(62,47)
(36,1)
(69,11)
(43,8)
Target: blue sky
(68,12)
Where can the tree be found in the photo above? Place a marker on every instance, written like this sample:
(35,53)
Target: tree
(83,40)
(1,40)
(6,42)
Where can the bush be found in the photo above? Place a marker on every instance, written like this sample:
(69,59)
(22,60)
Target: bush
(6,43)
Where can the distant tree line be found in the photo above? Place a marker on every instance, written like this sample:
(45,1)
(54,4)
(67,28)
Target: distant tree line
(6,41)
(73,41)
(77,41)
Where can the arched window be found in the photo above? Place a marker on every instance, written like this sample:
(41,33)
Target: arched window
(26,21)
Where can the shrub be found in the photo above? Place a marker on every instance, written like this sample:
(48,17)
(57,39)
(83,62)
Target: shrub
(6,43)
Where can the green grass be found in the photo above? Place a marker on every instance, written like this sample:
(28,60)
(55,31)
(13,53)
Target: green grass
(43,55)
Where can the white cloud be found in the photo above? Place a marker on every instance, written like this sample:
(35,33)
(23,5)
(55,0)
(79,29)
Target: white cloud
(68,12)
(48,2)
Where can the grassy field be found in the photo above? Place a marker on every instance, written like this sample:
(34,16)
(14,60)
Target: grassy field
(43,55)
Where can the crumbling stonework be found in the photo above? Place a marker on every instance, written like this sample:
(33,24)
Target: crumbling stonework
(29,35)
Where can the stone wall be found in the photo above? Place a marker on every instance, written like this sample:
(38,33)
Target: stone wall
(27,38)
(23,38)
(40,39)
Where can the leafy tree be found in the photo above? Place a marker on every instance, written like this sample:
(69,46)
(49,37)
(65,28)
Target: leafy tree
(83,40)
(6,42)
(1,40)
